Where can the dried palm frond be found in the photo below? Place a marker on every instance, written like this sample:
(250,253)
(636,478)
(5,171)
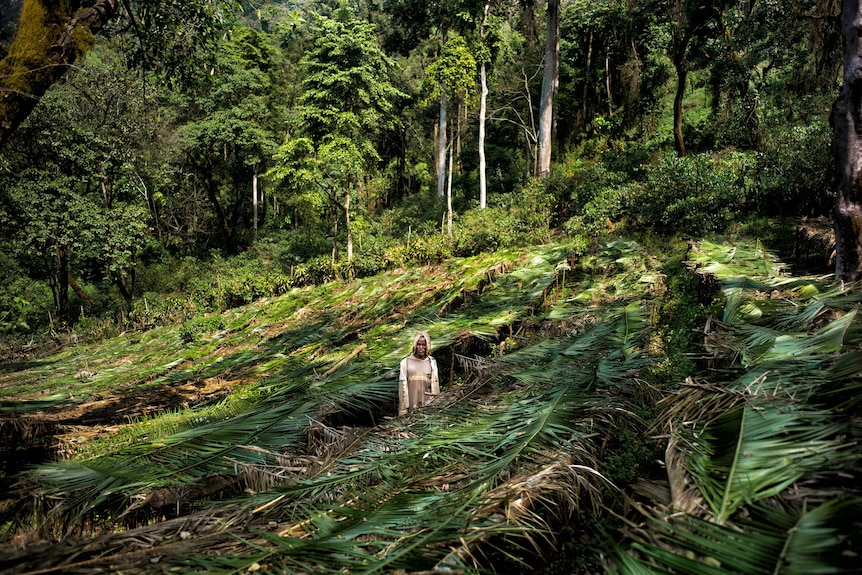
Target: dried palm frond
(327,495)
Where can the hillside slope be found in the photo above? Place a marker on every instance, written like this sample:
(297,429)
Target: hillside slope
(273,444)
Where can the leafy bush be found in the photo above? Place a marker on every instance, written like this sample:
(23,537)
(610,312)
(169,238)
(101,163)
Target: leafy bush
(26,306)
(297,247)
(600,212)
(627,456)
(247,284)
(153,309)
(315,271)
(14,319)
(795,172)
(696,194)
(92,329)
(538,207)
(200,324)
(483,230)
(430,249)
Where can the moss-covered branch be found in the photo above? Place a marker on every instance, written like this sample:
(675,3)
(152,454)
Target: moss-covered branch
(51,36)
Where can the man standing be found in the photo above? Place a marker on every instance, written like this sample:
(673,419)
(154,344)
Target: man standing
(419,381)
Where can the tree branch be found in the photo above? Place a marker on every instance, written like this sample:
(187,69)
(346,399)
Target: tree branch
(60,36)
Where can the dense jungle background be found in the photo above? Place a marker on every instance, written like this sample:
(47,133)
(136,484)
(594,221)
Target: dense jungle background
(222,223)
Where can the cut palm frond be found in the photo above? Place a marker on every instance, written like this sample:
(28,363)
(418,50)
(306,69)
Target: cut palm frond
(769,542)
(754,452)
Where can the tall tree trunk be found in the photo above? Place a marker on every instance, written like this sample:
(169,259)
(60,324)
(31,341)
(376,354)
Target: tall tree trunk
(608,85)
(847,140)
(483,111)
(531,134)
(586,101)
(483,108)
(347,222)
(689,25)
(62,285)
(681,76)
(441,150)
(254,199)
(550,80)
(449,194)
(212,195)
(335,240)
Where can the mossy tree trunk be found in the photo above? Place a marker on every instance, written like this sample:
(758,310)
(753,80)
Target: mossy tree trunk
(51,37)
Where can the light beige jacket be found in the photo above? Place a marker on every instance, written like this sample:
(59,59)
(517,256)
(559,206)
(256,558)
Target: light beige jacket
(403,394)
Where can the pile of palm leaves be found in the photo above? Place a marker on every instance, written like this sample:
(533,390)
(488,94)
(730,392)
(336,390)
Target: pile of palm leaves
(762,457)
(317,474)
(544,353)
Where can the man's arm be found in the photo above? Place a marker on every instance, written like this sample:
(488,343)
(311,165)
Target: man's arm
(402,388)
(435,378)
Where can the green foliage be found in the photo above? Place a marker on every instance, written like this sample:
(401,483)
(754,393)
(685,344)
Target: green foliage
(14,319)
(751,453)
(629,456)
(198,325)
(794,173)
(425,249)
(154,309)
(795,541)
(453,73)
(478,231)
(316,270)
(697,194)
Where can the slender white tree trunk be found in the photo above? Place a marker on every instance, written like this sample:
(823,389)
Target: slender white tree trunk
(483,103)
(441,150)
(347,222)
(550,80)
(254,197)
(449,194)
(483,111)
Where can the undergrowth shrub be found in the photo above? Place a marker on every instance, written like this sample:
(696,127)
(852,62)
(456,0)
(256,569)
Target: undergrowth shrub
(295,248)
(601,212)
(25,306)
(314,271)
(536,207)
(153,309)
(795,172)
(480,230)
(371,245)
(696,194)
(191,329)
(429,249)
(93,328)
(627,457)
(596,196)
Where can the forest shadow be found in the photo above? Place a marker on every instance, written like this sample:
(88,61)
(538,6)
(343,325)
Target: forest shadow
(807,244)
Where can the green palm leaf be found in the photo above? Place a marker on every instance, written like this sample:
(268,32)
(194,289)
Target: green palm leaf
(770,542)
(754,452)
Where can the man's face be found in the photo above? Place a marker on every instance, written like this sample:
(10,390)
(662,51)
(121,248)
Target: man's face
(421,348)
